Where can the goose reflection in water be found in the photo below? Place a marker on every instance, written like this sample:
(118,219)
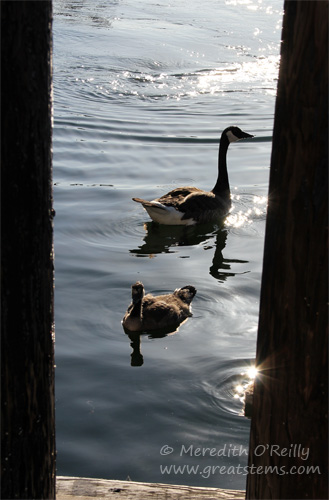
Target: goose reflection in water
(163,239)
(135,338)
(136,355)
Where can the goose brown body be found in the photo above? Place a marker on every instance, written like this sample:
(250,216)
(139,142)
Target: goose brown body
(149,312)
(190,205)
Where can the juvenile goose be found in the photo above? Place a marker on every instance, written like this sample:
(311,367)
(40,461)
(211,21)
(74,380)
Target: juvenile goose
(190,205)
(152,313)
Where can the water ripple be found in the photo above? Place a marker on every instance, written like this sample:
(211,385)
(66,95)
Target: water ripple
(226,386)
(256,76)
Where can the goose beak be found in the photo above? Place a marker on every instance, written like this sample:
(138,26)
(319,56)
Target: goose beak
(246,136)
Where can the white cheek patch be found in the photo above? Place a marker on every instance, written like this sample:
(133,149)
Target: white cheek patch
(231,137)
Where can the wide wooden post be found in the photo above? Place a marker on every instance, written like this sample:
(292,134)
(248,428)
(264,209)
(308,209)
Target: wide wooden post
(289,432)
(27,350)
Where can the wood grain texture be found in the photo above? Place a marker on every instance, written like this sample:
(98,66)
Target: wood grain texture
(81,488)
(291,394)
(27,268)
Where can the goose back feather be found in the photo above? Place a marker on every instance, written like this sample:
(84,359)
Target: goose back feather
(149,312)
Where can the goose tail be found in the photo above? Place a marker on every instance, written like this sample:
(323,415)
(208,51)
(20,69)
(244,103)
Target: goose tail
(150,204)
(164,214)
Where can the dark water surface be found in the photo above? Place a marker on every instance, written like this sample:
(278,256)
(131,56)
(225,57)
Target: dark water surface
(142,91)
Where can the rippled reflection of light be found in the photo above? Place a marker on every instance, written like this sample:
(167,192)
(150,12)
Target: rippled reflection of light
(238,219)
(260,199)
(242,218)
(263,70)
(245,384)
(240,391)
(238,2)
(251,5)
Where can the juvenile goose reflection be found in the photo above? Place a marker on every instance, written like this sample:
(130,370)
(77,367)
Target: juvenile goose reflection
(137,358)
(160,238)
(136,355)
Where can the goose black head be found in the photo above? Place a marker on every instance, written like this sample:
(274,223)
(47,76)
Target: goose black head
(234,134)
(137,292)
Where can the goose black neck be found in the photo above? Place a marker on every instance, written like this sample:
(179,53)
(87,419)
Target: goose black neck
(136,309)
(222,186)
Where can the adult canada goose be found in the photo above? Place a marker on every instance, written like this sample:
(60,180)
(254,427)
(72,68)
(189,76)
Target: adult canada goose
(190,205)
(152,313)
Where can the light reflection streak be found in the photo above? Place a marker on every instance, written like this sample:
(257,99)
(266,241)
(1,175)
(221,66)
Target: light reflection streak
(246,383)
(261,73)
(243,218)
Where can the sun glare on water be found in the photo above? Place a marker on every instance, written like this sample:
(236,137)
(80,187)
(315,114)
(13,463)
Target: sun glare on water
(249,214)
(247,379)
(252,372)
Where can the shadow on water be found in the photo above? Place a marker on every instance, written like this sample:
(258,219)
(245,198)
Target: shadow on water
(163,239)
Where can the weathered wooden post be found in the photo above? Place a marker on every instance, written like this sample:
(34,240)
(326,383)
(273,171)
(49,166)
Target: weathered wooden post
(27,354)
(289,424)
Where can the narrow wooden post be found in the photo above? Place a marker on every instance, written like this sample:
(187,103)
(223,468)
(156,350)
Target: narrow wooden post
(27,354)
(289,430)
